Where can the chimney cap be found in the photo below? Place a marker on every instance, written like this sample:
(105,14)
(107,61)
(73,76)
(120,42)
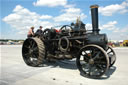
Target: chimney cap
(94,6)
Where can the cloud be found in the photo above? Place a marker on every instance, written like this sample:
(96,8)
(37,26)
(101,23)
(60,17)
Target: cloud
(114,8)
(123,11)
(123,30)
(72,10)
(114,33)
(22,19)
(50,3)
(89,26)
(18,8)
(119,34)
(45,17)
(109,26)
(69,15)
(53,3)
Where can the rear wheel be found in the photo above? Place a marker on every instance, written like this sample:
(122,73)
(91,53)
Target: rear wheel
(33,51)
(92,61)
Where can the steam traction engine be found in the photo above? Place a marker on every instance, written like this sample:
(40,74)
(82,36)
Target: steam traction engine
(92,53)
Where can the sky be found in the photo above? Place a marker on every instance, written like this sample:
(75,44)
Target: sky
(17,16)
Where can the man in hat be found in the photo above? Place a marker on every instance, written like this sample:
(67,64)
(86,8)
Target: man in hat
(39,31)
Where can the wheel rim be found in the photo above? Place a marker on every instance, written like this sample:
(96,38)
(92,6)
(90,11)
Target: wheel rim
(65,27)
(92,62)
(30,52)
(112,55)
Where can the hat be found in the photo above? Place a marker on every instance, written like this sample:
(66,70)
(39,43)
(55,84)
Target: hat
(41,27)
(32,27)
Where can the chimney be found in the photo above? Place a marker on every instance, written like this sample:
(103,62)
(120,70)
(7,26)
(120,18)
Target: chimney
(94,14)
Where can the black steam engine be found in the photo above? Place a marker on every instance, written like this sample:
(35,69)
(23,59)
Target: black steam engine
(91,50)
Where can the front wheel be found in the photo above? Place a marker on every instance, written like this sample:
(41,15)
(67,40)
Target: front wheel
(33,51)
(92,61)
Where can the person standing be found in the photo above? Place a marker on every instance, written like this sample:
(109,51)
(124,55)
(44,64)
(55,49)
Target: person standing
(31,32)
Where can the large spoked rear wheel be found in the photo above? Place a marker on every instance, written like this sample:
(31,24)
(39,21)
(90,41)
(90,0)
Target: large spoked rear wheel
(92,61)
(33,51)
(112,56)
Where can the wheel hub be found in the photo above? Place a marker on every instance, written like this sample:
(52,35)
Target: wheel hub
(30,51)
(91,61)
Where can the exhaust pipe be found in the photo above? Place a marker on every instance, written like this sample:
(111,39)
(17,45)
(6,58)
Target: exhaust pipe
(94,14)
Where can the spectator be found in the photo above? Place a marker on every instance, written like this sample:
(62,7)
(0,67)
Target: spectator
(31,32)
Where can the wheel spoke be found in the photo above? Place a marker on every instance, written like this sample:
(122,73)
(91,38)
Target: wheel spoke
(32,56)
(90,69)
(27,54)
(87,54)
(101,58)
(33,45)
(100,62)
(26,46)
(94,53)
(30,42)
(97,55)
(99,69)
(34,60)
(35,49)
(85,57)
(109,52)
(99,66)
(35,52)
